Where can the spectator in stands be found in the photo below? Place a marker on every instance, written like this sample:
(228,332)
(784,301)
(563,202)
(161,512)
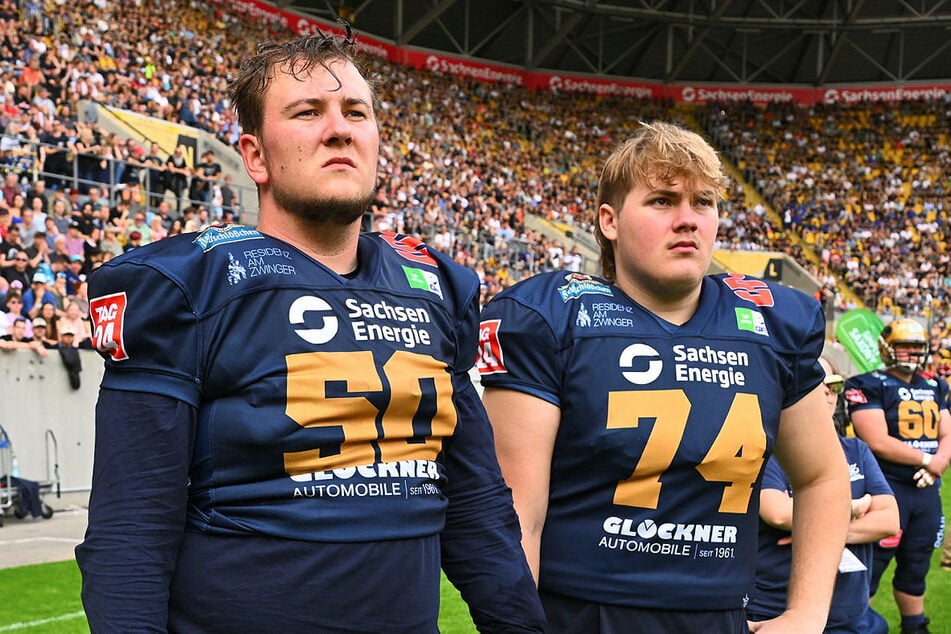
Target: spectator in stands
(60,294)
(42,335)
(86,148)
(176,175)
(50,313)
(37,295)
(54,156)
(39,253)
(19,339)
(74,321)
(67,338)
(110,243)
(134,241)
(163,213)
(10,189)
(75,239)
(14,311)
(140,226)
(75,273)
(156,229)
(29,225)
(206,173)
(155,180)
(60,215)
(20,271)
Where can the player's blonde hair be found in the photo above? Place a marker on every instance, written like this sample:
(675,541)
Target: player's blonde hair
(657,151)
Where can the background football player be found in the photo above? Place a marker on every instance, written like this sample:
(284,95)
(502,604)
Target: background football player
(902,414)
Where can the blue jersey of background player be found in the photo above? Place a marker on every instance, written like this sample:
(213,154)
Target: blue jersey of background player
(286,437)
(634,414)
(874,516)
(903,415)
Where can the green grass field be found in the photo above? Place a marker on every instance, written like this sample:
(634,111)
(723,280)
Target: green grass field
(45,598)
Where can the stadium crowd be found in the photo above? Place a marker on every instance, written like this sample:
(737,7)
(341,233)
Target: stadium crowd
(860,191)
(858,194)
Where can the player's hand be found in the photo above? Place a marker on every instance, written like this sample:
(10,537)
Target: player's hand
(786,623)
(860,506)
(924,478)
(937,466)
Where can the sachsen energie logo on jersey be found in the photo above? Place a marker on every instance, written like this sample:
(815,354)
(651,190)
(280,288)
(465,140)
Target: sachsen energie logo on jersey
(108,318)
(641,364)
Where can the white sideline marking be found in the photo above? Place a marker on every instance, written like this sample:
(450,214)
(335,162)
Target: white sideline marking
(28,540)
(62,617)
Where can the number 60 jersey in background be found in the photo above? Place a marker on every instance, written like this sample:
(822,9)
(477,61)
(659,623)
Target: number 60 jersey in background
(664,429)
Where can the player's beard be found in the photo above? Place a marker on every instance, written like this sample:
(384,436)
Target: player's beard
(319,209)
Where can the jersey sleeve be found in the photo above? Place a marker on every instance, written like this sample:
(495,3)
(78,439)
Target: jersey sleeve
(808,374)
(481,541)
(863,392)
(519,350)
(145,326)
(136,510)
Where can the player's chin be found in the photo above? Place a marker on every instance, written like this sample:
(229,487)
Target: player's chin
(341,208)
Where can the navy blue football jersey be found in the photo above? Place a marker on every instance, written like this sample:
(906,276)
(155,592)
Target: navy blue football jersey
(332,397)
(774,562)
(323,409)
(912,411)
(664,429)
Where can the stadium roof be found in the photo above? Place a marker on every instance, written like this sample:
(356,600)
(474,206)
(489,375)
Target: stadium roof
(804,42)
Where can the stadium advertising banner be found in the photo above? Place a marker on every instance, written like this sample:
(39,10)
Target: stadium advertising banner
(588,84)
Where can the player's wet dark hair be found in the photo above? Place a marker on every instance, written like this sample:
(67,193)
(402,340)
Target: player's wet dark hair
(295,57)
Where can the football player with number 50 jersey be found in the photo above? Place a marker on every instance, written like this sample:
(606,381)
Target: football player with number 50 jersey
(287,438)
(634,414)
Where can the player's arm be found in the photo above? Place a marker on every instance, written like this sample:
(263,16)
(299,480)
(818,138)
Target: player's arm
(776,508)
(481,552)
(870,426)
(939,461)
(880,520)
(808,449)
(525,428)
(136,510)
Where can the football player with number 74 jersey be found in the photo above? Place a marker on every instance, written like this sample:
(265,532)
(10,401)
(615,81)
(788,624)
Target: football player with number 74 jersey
(634,413)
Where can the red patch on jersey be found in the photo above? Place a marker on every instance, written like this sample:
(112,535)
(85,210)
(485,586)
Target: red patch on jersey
(410,248)
(752,290)
(890,542)
(108,318)
(855,395)
(489,358)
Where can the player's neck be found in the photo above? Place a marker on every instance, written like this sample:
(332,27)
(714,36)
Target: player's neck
(333,245)
(675,308)
(901,374)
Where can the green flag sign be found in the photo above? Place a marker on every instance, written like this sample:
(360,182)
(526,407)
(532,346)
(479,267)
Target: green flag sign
(858,331)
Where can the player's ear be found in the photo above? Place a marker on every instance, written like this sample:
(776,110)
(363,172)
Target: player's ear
(607,219)
(253,155)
